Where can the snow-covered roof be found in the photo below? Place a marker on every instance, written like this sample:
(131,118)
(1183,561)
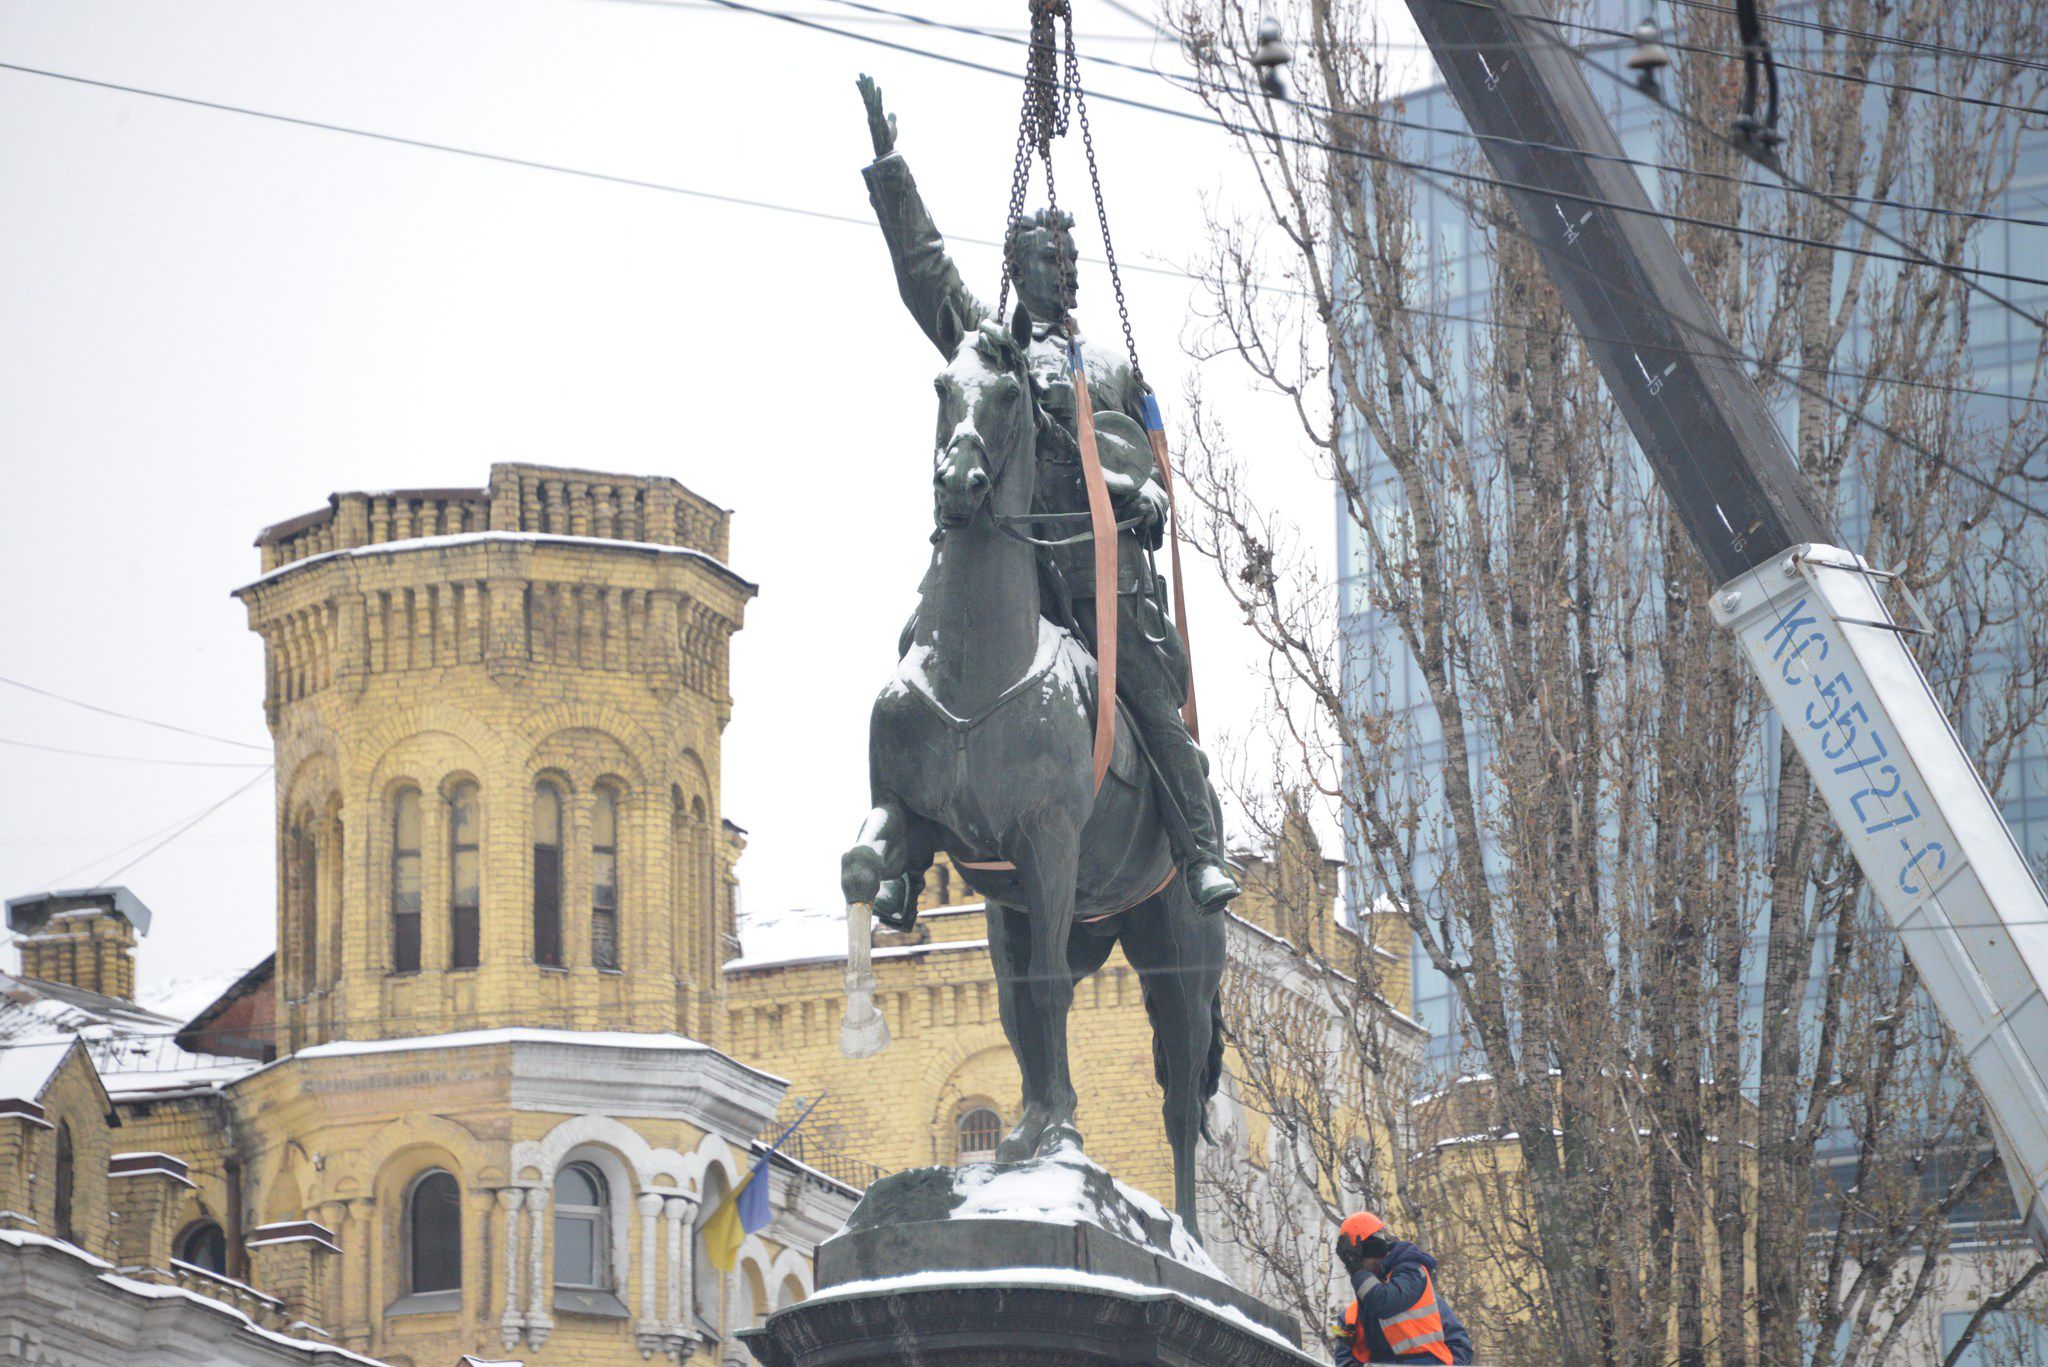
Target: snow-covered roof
(185,996)
(132,1066)
(800,933)
(501,538)
(318,1352)
(25,1069)
(817,935)
(132,1048)
(791,939)
(511,1034)
(33,1009)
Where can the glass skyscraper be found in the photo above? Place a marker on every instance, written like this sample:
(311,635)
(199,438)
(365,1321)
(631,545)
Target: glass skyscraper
(2003,349)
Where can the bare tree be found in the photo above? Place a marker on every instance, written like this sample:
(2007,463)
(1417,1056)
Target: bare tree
(1718,1122)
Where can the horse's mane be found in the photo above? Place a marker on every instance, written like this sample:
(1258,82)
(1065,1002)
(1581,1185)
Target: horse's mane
(997,345)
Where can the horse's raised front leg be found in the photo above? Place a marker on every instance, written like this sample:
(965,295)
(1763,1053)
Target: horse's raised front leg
(1047,870)
(880,853)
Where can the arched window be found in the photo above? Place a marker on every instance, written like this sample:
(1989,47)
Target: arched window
(547,874)
(303,896)
(66,1176)
(405,881)
(708,1294)
(433,1234)
(582,1228)
(203,1245)
(980,1131)
(604,880)
(465,898)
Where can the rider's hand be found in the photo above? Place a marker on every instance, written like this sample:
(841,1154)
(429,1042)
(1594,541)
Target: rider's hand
(1150,508)
(881,126)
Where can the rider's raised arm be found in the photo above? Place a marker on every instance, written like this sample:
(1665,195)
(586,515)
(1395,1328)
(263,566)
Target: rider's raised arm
(925,275)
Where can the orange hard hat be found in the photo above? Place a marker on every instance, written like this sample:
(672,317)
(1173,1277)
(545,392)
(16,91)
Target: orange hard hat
(1359,1226)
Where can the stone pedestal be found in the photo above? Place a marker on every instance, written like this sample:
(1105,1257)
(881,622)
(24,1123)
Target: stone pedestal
(1047,1262)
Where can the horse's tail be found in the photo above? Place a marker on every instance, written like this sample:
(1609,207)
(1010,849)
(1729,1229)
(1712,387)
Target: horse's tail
(1212,1062)
(1212,1068)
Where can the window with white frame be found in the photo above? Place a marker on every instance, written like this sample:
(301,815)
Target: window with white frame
(582,1228)
(433,1235)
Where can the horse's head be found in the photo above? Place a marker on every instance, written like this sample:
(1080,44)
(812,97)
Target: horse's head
(988,418)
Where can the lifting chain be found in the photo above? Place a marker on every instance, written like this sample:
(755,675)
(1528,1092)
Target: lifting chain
(1052,91)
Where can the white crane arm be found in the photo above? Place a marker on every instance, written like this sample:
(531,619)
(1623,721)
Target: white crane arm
(1933,845)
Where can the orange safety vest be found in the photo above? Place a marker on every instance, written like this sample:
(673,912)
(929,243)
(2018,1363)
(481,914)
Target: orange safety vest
(1415,1334)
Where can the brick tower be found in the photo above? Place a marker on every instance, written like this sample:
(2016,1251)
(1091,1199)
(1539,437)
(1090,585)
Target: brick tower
(497,715)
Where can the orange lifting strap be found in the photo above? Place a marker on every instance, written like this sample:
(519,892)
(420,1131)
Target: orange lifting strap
(1102,521)
(1155,428)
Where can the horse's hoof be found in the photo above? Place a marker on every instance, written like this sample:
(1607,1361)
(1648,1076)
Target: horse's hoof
(1013,1149)
(893,905)
(1057,1137)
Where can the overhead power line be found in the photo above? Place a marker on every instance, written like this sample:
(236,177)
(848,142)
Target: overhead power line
(1190,116)
(1196,84)
(1679,45)
(124,716)
(851,220)
(2021,61)
(1715,344)
(133,759)
(1954,271)
(1917,448)
(168,833)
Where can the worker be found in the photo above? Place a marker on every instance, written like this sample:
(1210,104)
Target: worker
(1397,1316)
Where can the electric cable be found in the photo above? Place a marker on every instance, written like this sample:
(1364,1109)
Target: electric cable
(1679,45)
(1195,84)
(133,759)
(1190,116)
(1717,345)
(175,829)
(254,779)
(124,716)
(857,221)
(2020,61)
(1714,342)
(1961,274)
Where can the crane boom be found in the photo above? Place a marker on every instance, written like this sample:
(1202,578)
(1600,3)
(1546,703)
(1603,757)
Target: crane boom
(1810,617)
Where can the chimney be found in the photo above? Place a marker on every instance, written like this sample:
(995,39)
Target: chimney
(83,938)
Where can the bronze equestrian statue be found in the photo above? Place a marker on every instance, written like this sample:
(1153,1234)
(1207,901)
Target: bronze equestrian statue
(1152,665)
(981,745)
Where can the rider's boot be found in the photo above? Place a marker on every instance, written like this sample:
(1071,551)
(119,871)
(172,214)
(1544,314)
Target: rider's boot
(1210,879)
(1210,882)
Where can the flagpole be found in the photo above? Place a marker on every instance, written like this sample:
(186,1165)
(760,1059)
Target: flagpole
(798,1121)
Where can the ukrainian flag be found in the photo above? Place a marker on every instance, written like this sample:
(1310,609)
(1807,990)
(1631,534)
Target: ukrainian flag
(745,1209)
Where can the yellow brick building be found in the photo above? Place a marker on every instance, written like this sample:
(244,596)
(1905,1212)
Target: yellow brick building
(510,1053)
(477,1103)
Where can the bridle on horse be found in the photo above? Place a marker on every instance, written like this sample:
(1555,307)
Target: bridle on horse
(1010,524)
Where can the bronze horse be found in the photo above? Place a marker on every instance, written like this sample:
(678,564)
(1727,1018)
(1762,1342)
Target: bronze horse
(981,746)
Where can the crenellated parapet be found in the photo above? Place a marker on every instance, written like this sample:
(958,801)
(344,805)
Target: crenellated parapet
(541,499)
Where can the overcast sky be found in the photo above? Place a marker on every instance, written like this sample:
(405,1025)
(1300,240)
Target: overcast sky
(213,320)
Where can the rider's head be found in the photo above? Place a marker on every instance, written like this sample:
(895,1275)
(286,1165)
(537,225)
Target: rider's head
(1044,262)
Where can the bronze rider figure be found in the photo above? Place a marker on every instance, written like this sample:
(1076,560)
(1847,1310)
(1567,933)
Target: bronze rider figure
(1152,665)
